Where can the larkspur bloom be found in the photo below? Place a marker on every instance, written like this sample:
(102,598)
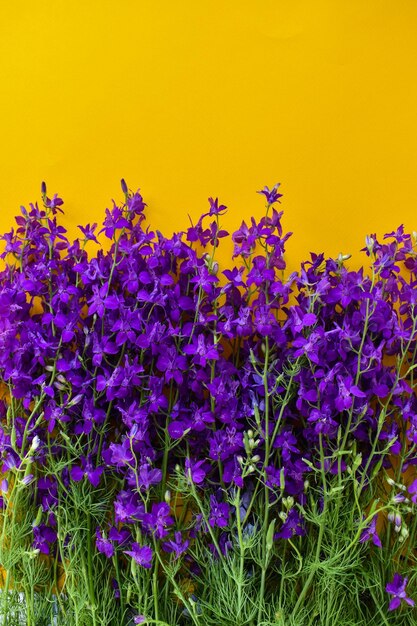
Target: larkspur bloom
(396,588)
(142,555)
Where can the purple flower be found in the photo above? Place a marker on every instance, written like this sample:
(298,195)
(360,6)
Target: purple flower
(43,537)
(271,195)
(177,545)
(88,231)
(86,469)
(142,555)
(396,588)
(194,471)
(104,545)
(293,525)
(215,208)
(219,513)
(370,533)
(412,488)
(158,520)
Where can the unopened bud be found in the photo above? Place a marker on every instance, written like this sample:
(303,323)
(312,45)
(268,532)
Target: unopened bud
(391,516)
(282,515)
(76,399)
(239,459)
(397,519)
(123,186)
(26,480)
(38,517)
(250,434)
(33,553)
(167,496)
(35,443)
(43,188)
(256,458)
(282,479)
(251,469)
(404,532)
(369,242)
(390,481)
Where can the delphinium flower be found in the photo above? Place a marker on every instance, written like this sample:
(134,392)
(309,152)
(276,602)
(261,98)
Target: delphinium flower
(370,534)
(396,588)
(142,555)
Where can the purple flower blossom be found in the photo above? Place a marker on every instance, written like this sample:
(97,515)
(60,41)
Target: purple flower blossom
(293,525)
(370,533)
(271,195)
(176,545)
(219,513)
(396,588)
(87,470)
(104,545)
(142,555)
(194,471)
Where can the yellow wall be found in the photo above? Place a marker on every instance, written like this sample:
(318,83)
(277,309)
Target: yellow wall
(192,98)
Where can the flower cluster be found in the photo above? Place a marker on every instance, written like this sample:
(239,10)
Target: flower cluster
(197,398)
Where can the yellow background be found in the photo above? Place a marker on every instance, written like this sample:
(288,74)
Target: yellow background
(188,99)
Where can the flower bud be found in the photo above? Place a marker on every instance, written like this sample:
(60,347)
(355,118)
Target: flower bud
(256,458)
(369,243)
(282,515)
(33,553)
(76,399)
(398,519)
(167,496)
(26,480)
(343,257)
(391,516)
(43,188)
(35,443)
(251,469)
(38,519)
(282,479)
(124,186)
(250,434)
(239,459)
(404,532)
(270,536)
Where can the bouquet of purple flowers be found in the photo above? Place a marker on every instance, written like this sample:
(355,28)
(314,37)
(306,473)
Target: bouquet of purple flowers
(186,443)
